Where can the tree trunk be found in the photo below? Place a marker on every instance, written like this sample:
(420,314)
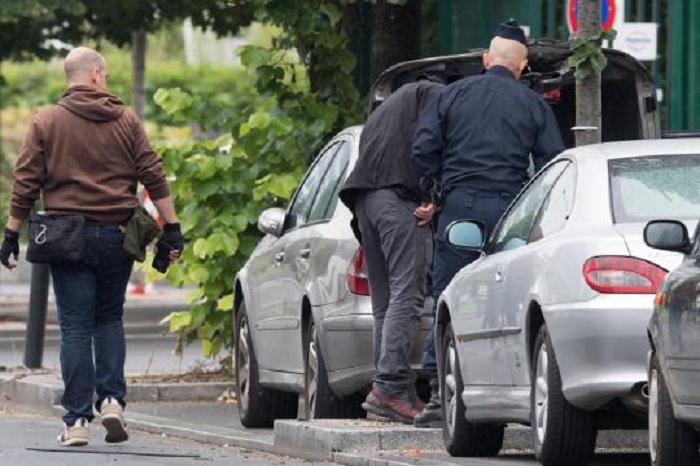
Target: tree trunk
(138,75)
(588,95)
(395,34)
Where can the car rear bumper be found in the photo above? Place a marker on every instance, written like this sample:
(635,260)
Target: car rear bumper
(601,347)
(349,351)
(689,414)
(684,379)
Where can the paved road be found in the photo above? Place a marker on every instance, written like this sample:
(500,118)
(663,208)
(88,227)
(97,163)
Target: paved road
(19,434)
(520,459)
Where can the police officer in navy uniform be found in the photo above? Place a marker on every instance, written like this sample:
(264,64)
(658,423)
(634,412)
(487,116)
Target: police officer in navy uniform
(475,141)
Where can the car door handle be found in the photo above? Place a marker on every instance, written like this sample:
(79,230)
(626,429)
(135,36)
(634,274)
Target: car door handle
(279,257)
(499,277)
(305,253)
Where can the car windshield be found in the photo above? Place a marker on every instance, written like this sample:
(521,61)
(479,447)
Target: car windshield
(645,188)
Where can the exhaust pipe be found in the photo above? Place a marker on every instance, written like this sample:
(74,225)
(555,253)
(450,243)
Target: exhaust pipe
(645,391)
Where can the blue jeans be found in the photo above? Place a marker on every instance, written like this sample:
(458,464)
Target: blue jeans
(90,300)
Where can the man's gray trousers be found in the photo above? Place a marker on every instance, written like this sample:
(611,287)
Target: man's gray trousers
(397,256)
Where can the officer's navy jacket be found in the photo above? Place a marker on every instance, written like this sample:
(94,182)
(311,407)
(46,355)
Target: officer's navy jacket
(385,145)
(480,131)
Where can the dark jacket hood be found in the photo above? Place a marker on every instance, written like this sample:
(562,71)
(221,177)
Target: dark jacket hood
(92,104)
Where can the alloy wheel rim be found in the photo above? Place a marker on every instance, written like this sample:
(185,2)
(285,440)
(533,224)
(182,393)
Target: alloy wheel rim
(541,394)
(653,414)
(451,389)
(312,375)
(243,363)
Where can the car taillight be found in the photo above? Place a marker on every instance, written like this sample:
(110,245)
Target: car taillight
(357,274)
(624,275)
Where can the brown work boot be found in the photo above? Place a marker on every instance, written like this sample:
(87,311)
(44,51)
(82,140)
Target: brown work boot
(418,404)
(390,407)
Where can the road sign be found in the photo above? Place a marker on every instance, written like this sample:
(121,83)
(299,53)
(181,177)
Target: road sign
(608,12)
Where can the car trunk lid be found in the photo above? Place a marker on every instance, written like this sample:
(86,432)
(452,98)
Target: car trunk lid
(629,107)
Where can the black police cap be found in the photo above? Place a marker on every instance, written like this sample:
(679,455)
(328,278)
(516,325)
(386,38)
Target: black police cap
(511,30)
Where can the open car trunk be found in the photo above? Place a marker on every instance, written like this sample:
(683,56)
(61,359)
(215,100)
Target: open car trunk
(628,93)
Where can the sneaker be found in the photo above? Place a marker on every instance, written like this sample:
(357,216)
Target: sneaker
(76,435)
(112,416)
(393,408)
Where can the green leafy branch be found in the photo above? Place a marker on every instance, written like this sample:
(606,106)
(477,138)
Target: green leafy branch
(587,55)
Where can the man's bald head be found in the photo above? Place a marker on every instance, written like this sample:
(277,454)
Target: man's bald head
(505,52)
(85,66)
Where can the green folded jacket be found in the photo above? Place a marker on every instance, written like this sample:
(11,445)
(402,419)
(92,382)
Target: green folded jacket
(140,231)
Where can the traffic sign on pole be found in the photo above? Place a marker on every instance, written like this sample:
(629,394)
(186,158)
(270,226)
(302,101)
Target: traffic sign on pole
(608,12)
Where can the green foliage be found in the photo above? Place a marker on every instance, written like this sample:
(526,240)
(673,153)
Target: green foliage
(303,92)
(587,55)
(38,83)
(26,25)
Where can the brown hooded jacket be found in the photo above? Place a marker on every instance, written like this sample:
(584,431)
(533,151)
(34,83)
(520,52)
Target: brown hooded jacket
(85,155)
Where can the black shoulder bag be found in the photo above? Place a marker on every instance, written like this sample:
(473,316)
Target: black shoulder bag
(55,238)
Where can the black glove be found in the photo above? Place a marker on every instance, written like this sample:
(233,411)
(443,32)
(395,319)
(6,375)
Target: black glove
(170,240)
(10,246)
(172,236)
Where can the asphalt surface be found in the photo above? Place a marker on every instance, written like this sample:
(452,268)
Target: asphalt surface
(31,441)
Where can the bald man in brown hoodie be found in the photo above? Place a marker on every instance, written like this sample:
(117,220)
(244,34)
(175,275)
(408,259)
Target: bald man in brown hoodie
(85,155)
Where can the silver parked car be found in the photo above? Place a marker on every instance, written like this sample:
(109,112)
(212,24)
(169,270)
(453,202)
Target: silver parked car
(674,334)
(303,317)
(548,326)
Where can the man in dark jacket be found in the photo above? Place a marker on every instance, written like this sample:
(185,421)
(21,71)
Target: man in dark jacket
(85,156)
(476,139)
(383,193)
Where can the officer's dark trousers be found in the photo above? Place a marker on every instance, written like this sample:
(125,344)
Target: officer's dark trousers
(459,203)
(397,254)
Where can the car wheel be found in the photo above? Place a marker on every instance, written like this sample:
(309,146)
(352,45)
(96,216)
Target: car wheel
(562,433)
(257,406)
(462,438)
(321,403)
(671,442)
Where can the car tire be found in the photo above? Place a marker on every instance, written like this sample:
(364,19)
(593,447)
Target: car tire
(671,442)
(257,406)
(462,438)
(321,403)
(562,433)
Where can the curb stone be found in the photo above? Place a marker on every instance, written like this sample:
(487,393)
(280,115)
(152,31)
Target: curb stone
(39,393)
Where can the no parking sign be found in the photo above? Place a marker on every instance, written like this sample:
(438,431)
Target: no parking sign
(608,12)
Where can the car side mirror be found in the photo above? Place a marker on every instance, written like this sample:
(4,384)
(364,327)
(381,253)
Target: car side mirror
(271,221)
(667,235)
(466,234)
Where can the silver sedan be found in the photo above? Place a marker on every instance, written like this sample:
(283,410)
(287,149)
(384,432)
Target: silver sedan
(303,319)
(548,326)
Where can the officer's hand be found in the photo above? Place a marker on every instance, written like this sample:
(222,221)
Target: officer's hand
(10,246)
(424,213)
(172,237)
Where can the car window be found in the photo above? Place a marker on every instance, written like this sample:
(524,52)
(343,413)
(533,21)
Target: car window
(645,188)
(514,229)
(327,195)
(306,192)
(557,208)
